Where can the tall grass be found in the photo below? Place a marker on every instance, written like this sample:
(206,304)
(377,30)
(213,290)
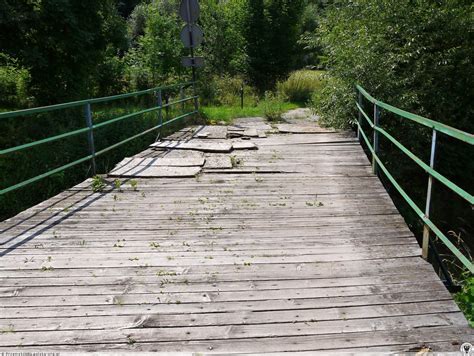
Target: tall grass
(300,85)
(217,114)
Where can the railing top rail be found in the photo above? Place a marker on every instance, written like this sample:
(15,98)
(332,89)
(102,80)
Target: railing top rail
(438,126)
(26,112)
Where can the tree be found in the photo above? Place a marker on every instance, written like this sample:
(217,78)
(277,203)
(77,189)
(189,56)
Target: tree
(156,55)
(223,47)
(60,42)
(272,33)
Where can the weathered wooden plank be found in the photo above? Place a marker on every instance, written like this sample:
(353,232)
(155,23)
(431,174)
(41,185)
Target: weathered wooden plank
(231,318)
(303,128)
(220,307)
(145,335)
(388,339)
(219,296)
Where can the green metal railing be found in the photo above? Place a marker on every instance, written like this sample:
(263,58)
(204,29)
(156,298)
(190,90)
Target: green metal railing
(91,127)
(377,165)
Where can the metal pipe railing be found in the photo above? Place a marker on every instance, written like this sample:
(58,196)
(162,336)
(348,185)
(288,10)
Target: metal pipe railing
(378,165)
(91,127)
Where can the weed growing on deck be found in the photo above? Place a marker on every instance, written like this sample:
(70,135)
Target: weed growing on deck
(118,185)
(134,184)
(154,245)
(98,184)
(9,329)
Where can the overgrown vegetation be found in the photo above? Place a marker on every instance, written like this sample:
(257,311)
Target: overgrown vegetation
(465,298)
(301,85)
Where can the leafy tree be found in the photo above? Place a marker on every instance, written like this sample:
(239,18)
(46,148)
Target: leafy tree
(272,33)
(156,57)
(60,42)
(224,46)
(417,55)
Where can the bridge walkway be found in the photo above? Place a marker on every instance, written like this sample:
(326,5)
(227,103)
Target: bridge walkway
(295,246)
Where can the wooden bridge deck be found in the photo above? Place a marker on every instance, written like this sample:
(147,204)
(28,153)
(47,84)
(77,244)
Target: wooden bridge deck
(296,248)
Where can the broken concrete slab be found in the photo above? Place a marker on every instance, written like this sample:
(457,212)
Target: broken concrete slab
(211,132)
(183,154)
(221,146)
(162,162)
(244,145)
(218,161)
(155,172)
(250,132)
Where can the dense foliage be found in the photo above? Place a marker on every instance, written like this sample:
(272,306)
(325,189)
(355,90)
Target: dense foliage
(416,55)
(421,61)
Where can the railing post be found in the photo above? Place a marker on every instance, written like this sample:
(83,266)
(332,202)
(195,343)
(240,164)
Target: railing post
(159,103)
(360,114)
(181,97)
(196,102)
(90,135)
(376,137)
(426,229)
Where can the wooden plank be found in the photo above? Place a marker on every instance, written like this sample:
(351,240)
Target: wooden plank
(301,128)
(231,318)
(146,335)
(172,307)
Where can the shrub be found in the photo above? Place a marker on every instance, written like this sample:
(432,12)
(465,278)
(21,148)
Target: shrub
(273,106)
(465,299)
(13,84)
(225,90)
(300,85)
(334,103)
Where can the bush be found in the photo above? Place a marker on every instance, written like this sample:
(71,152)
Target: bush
(300,85)
(273,106)
(225,90)
(334,103)
(465,299)
(13,84)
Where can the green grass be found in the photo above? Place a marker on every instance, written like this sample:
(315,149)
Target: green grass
(214,114)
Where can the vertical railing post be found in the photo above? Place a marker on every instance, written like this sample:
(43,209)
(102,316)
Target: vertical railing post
(159,103)
(181,97)
(167,109)
(90,135)
(426,229)
(376,137)
(359,99)
(196,102)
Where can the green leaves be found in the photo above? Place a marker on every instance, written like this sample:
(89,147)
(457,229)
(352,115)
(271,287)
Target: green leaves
(465,299)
